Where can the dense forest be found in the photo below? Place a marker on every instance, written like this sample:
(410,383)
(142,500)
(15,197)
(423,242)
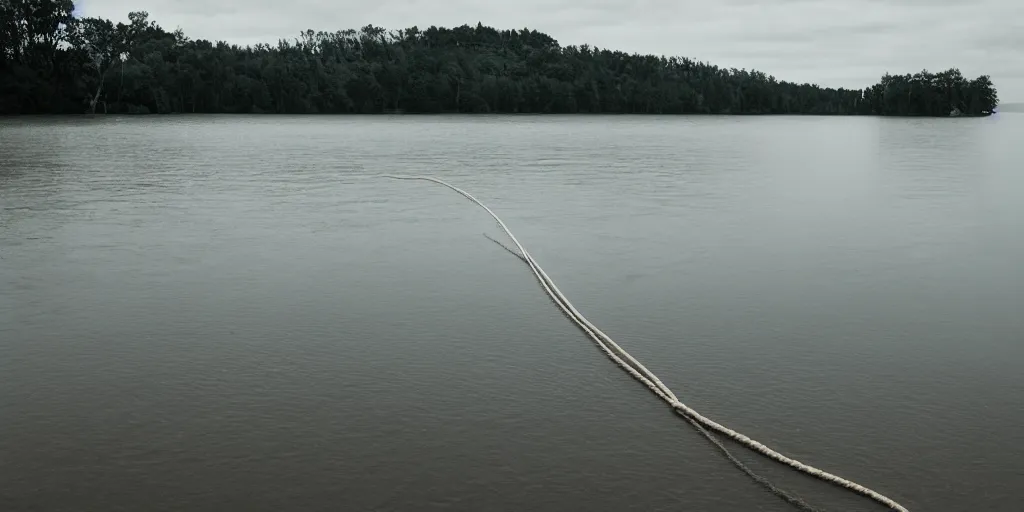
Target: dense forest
(54,62)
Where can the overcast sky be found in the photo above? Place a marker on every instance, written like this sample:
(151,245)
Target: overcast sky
(836,43)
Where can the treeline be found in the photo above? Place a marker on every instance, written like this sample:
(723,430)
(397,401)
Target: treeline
(53,62)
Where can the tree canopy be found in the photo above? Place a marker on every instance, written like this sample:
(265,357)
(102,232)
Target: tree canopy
(54,62)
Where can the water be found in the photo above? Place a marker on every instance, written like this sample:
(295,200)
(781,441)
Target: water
(211,313)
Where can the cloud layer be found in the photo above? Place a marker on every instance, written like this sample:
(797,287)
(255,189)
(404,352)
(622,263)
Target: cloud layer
(838,43)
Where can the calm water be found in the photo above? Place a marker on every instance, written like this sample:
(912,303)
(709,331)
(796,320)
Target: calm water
(233,313)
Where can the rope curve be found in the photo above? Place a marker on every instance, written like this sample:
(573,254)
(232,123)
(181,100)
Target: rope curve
(619,355)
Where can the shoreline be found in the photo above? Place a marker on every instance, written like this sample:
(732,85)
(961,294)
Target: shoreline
(484,114)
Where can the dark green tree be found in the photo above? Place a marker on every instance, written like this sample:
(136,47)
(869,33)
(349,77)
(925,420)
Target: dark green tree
(51,62)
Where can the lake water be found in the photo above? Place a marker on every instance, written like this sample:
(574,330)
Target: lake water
(235,313)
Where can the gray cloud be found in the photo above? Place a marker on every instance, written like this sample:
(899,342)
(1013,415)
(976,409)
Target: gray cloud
(846,32)
(839,43)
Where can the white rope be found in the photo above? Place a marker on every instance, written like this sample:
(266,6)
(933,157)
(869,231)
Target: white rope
(641,373)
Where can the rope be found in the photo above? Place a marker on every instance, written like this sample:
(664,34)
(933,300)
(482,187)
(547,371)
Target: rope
(788,498)
(645,376)
(507,248)
(795,501)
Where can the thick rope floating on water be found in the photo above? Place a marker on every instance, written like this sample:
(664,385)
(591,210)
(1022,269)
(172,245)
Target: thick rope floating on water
(764,482)
(645,376)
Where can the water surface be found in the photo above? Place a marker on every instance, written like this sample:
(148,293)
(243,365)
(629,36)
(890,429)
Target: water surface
(213,313)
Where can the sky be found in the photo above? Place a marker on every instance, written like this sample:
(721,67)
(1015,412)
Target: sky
(833,43)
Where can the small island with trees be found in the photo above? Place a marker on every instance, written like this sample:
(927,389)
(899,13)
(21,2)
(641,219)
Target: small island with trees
(52,62)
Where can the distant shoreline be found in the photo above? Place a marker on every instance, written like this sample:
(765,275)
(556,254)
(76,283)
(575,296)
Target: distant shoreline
(99,66)
(484,114)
